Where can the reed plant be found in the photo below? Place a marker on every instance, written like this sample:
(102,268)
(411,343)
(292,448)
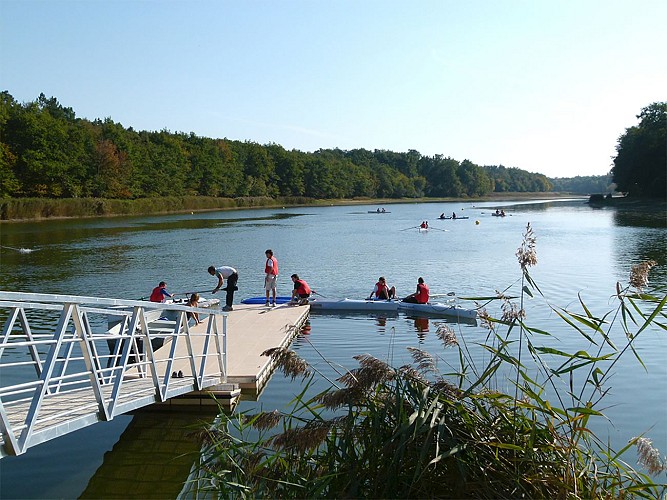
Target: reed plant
(415,432)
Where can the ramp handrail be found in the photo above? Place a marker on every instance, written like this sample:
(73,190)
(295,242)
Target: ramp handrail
(56,375)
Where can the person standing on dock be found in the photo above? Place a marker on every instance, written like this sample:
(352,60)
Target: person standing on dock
(271,278)
(232,277)
(421,295)
(160,293)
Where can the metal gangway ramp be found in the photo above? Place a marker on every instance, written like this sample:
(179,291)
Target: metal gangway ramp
(67,361)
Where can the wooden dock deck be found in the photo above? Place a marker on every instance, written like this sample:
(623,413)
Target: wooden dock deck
(251,329)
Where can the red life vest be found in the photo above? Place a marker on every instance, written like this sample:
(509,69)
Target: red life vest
(381,287)
(157,295)
(422,293)
(302,288)
(271,270)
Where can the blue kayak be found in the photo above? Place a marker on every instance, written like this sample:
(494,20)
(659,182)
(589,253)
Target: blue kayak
(262,300)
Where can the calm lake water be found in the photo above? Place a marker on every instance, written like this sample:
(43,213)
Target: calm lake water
(341,251)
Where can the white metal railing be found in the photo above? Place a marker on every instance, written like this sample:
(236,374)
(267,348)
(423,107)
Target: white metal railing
(68,361)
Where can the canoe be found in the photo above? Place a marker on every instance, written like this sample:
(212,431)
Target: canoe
(262,300)
(423,229)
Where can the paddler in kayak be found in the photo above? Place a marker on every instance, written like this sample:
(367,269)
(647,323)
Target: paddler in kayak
(420,296)
(382,291)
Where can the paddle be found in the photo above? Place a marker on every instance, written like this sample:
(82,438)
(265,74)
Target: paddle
(408,228)
(438,229)
(315,293)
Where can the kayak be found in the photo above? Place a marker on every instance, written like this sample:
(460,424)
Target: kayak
(438,309)
(365,305)
(369,305)
(262,300)
(353,305)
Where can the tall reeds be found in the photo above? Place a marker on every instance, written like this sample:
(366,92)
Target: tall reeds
(415,432)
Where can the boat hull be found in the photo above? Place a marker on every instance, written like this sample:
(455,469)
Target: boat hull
(353,305)
(262,300)
(438,309)
(361,305)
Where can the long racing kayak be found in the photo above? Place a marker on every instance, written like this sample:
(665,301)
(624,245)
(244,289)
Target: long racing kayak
(262,300)
(431,308)
(439,309)
(353,305)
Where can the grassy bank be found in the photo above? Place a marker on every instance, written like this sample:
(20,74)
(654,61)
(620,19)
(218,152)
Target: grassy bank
(17,209)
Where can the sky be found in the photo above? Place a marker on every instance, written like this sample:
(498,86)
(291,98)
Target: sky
(544,86)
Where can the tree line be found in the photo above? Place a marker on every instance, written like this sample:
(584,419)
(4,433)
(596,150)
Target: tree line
(47,152)
(640,165)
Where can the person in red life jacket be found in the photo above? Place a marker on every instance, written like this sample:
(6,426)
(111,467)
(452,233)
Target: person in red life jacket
(420,296)
(423,225)
(382,291)
(301,290)
(271,278)
(160,293)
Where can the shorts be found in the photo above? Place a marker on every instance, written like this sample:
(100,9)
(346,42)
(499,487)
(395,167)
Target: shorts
(270,282)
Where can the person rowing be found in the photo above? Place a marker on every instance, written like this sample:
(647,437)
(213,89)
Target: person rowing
(382,291)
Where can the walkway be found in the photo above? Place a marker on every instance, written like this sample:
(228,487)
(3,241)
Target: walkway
(62,368)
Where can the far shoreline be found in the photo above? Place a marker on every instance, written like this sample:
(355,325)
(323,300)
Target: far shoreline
(40,210)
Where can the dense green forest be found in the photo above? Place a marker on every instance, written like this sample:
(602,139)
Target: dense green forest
(640,166)
(47,152)
(583,184)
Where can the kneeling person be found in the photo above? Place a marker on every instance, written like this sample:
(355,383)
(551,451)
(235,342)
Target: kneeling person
(301,290)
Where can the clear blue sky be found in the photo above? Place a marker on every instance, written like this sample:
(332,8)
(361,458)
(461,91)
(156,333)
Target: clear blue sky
(545,86)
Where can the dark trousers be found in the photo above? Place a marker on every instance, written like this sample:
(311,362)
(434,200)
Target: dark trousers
(231,288)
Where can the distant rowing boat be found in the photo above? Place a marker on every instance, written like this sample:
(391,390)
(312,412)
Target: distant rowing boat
(381,212)
(452,218)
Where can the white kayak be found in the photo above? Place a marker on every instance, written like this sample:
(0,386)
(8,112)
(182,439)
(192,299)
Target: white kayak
(439,309)
(364,305)
(353,305)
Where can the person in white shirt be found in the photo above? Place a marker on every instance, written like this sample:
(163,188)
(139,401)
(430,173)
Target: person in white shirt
(225,273)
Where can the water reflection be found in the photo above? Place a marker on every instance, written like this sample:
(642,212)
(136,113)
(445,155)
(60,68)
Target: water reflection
(153,457)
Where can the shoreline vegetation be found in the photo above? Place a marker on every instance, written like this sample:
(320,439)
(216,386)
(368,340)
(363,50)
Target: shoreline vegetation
(39,209)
